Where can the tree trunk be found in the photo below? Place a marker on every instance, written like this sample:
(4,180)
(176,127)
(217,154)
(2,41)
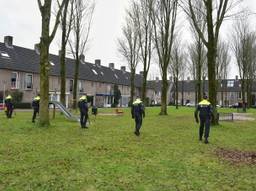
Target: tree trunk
(164,94)
(248,92)
(44,66)
(144,87)
(63,75)
(132,86)
(44,84)
(182,92)
(243,86)
(75,81)
(176,93)
(211,56)
(63,56)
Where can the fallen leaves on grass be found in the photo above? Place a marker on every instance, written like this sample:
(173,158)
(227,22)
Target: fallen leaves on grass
(236,156)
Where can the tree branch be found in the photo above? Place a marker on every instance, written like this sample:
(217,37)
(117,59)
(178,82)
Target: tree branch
(57,21)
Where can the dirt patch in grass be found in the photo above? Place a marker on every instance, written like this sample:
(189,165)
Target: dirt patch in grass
(236,156)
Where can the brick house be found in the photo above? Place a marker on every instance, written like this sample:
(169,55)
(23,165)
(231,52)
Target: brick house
(19,70)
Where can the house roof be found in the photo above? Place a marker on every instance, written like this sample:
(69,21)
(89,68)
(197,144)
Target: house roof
(156,85)
(228,85)
(27,60)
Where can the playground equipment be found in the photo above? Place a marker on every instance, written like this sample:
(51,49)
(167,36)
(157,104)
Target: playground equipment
(64,110)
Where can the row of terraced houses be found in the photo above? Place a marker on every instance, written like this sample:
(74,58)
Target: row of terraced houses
(19,70)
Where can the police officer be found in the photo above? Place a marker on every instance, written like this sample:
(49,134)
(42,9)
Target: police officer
(83,107)
(35,106)
(138,113)
(205,111)
(9,106)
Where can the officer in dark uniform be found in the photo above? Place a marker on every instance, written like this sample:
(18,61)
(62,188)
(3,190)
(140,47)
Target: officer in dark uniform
(9,106)
(83,107)
(205,112)
(35,106)
(138,113)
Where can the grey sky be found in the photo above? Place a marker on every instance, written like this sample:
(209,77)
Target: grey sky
(22,20)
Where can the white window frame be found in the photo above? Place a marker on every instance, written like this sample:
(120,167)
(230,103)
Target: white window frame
(26,75)
(230,83)
(80,86)
(4,54)
(16,86)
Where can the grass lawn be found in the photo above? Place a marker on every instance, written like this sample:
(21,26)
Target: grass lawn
(108,156)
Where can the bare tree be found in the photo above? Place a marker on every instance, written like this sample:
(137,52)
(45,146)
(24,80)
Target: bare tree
(197,66)
(222,65)
(145,32)
(178,67)
(223,61)
(66,24)
(215,11)
(83,12)
(128,46)
(163,16)
(197,52)
(45,8)
(243,44)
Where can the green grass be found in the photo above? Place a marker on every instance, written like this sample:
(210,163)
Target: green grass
(107,156)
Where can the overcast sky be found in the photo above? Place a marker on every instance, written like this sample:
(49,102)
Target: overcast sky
(21,19)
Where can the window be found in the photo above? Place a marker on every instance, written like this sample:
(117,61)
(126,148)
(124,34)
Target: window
(94,71)
(14,80)
(102,73)
(29,81)
(116,76)
(4,54)
(230,83)
(80,87)
(52,63)
(71,84)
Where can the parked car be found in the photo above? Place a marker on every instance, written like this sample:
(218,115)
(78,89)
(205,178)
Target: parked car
(190,105)
(2,105)
(235,105)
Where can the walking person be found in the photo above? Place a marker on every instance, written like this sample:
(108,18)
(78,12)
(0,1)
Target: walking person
(83,107)
(205,112)
(9,106)
(138,113)
(35,106)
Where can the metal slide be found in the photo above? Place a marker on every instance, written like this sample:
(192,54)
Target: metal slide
(64,110)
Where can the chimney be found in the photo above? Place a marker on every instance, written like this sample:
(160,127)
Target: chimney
(188,78)
(157,79)
(8,41)
(236,77)
(82,58)
(141,73)
(37,49)
(97,62)
(111,66)
(123,69)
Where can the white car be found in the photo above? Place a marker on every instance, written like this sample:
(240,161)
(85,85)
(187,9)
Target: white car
(190,105)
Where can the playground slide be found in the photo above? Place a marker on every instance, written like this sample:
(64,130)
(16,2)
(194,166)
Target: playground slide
(64,110)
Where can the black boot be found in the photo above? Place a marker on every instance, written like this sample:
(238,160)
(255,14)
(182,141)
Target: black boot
(206,141)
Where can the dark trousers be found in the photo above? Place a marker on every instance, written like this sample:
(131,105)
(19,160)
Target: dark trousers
(83,119)
(9,113)
(204,127)
(138,123)
(36,111)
